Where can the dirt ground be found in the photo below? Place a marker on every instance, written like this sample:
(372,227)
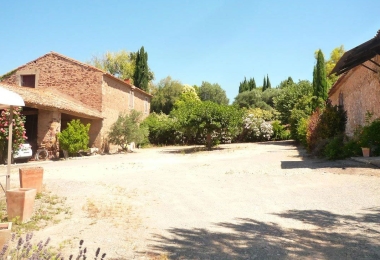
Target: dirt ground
(239,201)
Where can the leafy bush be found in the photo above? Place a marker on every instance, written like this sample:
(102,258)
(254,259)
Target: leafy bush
(162,130)
(127,129)
(208,120)
(279,131)
(255,129)
(326,124)
(75,137)
(301,132)
(334,149)
(351,148)
(369,136)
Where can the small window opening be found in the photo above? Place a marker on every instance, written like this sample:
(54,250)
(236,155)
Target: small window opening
(28,81)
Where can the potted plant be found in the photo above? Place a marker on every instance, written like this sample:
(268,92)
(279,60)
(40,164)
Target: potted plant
(20,203)
(364,140)
(31,177)
(5,233)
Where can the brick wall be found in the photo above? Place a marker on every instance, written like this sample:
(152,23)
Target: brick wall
(78,81)
(360,91)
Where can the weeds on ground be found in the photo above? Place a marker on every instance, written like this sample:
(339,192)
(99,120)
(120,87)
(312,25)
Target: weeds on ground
(48,208)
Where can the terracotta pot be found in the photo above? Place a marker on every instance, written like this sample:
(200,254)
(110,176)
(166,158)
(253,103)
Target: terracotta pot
(31,178)
(5,233)
(20,203)
(365,151)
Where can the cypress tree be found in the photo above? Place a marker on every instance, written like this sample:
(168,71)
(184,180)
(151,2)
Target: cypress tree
(290,80)
(141,75)
(264,84)
(251,83)
(268,83)
(319,78)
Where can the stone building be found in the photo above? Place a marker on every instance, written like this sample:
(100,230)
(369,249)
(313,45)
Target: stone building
(57,89)
(358,88)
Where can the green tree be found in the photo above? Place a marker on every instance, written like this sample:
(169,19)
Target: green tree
(142,74)
(75,137)
(208,119)
(251,99)
(285,83)
(268,83)
(288,97)
(335,56)
(127,129)
(165,95)
(264,84)
(268,96)
(244,86)
(319,78)
(213,93)
(121,64)
(188,95)
(251,83)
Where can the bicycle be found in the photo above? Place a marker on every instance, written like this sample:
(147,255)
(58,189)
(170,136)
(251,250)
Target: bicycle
(43,154)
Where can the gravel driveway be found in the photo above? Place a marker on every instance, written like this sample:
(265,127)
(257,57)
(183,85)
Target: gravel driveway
(239,201)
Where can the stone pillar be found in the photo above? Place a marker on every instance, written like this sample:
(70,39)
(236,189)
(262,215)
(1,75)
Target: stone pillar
(49,124)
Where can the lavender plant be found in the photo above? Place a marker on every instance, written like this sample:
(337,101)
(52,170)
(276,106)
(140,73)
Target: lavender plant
(20,249)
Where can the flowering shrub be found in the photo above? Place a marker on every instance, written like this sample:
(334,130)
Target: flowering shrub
(18,133)
(256,129)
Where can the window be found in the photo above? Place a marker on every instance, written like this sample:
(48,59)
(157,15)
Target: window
(131,99)
(341,100)
(28,81)
(146,105)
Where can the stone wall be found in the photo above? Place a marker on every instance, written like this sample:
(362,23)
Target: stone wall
(120,98)
(49,124)
(359,90)
(94,88)
(68,76)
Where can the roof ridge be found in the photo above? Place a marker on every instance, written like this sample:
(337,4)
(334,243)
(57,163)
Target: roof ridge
(81,64)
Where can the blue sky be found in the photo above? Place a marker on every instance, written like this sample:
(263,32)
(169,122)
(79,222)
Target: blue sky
(191,41)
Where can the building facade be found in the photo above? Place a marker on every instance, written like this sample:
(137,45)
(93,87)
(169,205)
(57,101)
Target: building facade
(57,89)
(358,90)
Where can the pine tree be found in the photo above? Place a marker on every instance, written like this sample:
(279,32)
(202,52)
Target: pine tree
(141,75)
(319,78)
(268,83)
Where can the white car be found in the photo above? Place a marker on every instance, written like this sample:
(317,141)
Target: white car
(23,154)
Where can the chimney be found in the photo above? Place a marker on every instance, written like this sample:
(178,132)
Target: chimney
(128,81)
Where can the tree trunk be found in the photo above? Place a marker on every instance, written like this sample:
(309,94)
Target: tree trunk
(209,142)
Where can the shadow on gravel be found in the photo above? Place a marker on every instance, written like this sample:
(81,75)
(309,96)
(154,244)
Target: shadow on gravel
(252,239)
(194,149)
(318,163)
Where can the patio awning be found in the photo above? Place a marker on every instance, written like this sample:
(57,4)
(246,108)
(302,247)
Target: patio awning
(9,98)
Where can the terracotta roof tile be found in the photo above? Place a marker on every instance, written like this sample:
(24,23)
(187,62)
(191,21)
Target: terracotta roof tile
(53,99)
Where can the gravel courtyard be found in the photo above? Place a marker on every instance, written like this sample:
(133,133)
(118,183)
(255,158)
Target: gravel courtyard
(239,201)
